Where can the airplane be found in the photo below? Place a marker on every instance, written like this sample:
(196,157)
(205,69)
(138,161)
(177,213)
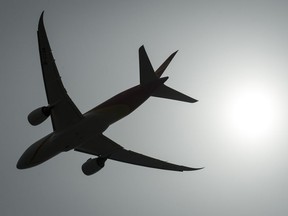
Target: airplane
(73,130)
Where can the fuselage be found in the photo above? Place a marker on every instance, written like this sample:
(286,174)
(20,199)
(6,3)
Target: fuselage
(95,122)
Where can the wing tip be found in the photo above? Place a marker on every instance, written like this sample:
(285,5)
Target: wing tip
(40,23)
(42,15)
(173,54)
(191,169)
(192,100)
(188,99)
(141,47)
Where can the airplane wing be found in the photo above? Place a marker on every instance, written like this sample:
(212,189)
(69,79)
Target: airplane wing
(103,146)
(63,112)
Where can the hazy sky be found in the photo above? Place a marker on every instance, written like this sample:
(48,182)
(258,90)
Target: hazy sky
(233,58)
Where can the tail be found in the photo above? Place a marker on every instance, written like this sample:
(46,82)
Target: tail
(147,74)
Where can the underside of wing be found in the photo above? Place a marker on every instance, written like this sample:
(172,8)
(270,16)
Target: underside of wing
(63,112)
(102,146)
(143,160)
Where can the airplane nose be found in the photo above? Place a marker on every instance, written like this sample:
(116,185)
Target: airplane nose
(20,164)
(23,162)
(30,157)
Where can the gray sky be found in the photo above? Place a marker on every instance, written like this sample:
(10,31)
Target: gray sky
(232,57)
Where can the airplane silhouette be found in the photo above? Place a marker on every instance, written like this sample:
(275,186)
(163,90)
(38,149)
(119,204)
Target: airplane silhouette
(84,132)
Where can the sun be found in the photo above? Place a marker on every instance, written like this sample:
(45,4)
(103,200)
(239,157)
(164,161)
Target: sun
(253,111)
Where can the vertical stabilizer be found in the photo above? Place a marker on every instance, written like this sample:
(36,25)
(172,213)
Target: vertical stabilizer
(147,73)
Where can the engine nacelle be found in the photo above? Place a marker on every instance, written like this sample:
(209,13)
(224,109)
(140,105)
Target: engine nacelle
(91,166)
(39,115)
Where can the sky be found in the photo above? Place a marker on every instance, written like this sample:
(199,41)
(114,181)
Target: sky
(232,58)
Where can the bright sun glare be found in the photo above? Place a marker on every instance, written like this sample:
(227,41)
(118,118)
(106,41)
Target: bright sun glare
(253,112)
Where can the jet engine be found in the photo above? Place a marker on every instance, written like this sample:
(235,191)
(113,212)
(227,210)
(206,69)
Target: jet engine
(91,166)
(39,115)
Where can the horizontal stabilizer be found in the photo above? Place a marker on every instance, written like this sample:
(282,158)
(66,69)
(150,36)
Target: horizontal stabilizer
(165,64)
(169,93)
